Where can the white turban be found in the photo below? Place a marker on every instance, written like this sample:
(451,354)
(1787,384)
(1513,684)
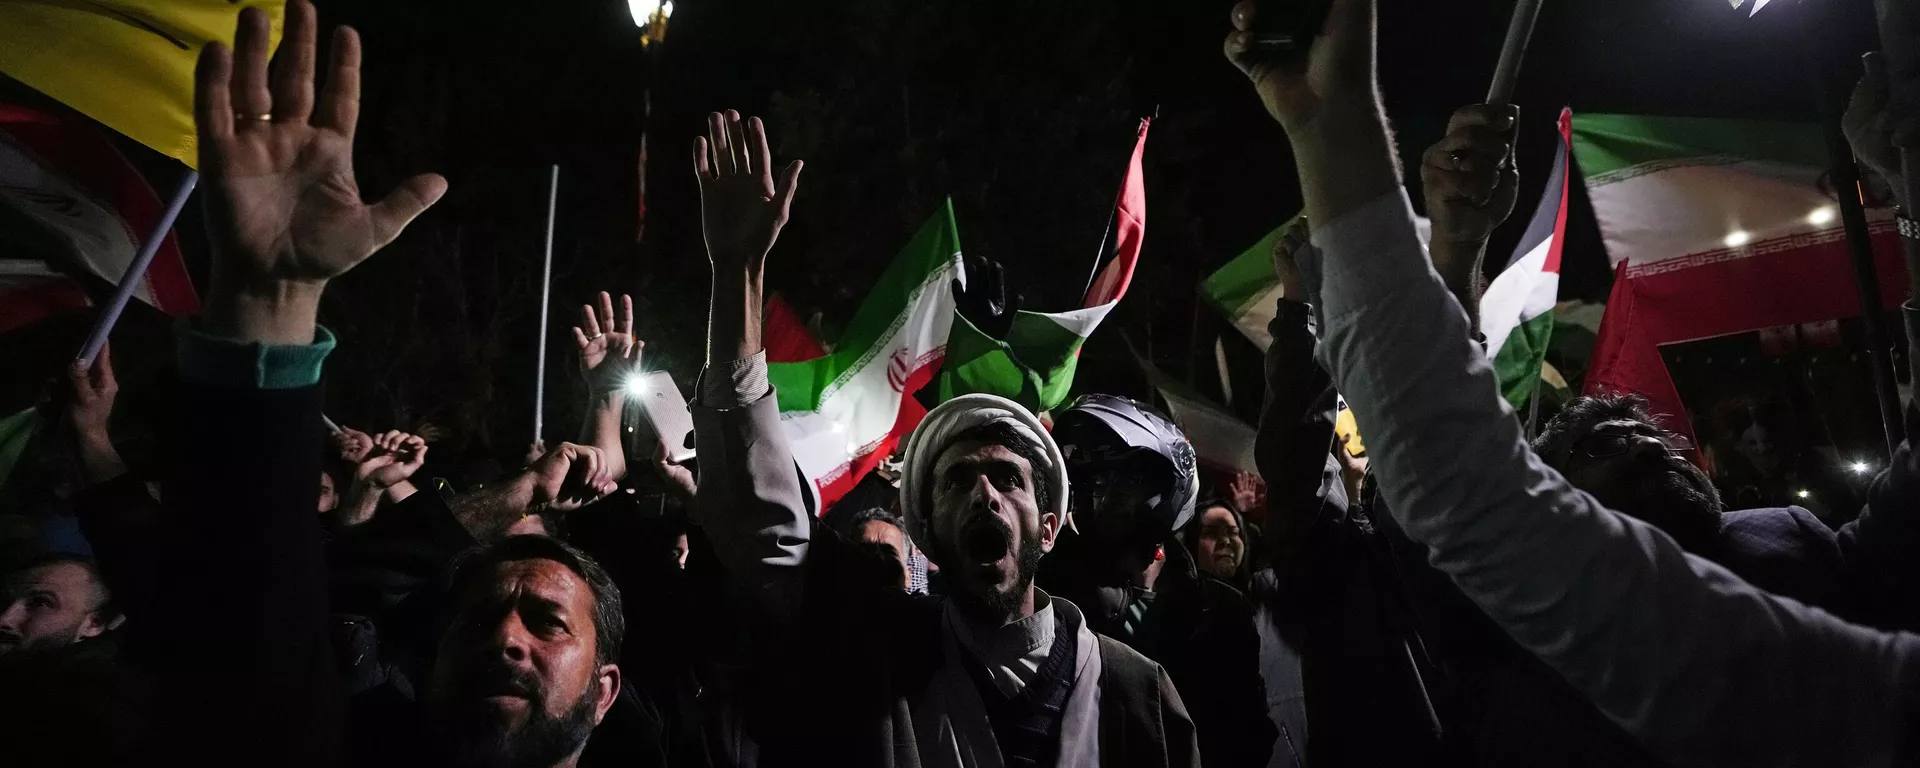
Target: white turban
(947,422)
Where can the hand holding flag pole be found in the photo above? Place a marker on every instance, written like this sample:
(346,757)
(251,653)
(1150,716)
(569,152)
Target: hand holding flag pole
(136,271)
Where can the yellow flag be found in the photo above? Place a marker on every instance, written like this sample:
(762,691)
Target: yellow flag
(126,63)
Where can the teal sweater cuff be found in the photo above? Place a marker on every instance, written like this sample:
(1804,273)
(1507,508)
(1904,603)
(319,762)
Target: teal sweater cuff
(224,362)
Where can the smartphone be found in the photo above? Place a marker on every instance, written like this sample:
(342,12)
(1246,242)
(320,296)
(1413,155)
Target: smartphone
(1288,26)
(664,414)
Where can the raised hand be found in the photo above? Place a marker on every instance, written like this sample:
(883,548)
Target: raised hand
(1353,469)
(94,391)
(353,445)
(1471,185)
(396,456)
(89,409)
(569,477)
(1338,69)
(609,349)
(283,207)
(740,207)
(1469,177)
(1249,492)
(1297,236)
(983,301)
(675,477)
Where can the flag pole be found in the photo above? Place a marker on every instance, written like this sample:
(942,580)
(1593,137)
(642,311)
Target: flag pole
(1853,215)
(137,271)
(546,291)
(1519,34)
(1846,182)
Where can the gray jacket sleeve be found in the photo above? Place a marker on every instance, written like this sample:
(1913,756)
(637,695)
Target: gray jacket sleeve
(1699,666)
(750,500)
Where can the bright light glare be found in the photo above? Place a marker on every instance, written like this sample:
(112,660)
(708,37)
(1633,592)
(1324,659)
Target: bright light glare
(666,9)
(1860,467)
(1821,216)
(637,386)
(642,10)
(1738,238)
(1803,493)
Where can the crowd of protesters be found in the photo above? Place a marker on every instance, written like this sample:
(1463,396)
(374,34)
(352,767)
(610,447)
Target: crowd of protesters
(1020,591)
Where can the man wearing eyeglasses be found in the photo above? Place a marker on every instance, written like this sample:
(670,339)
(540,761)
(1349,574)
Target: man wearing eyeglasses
(1611,447)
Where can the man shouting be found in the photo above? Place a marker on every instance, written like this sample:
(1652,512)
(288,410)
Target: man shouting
(998,674)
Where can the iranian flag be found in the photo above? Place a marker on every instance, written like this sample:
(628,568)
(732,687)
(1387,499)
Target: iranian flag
(1715,227)
(1516,312)
(1035,364)
(845,412)
(91,205)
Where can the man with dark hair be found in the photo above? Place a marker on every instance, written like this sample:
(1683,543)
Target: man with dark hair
(56,601)
(528,642)
(998,673)
(58,650)
(528,662)
(1612,447)
(884,536)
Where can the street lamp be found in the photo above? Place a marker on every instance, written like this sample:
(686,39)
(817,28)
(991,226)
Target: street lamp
(651,17)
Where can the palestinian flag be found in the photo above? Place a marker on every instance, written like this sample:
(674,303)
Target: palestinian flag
(1715,227)
(1034,365)
(845,412)
(126,63)
(1516,312)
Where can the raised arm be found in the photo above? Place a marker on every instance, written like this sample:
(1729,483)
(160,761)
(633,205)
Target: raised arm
(92,391)
(1297,416)
(382,467)
(1470,188)
(561,480)
(1699,666)
(750,501)
(285,216)
(609,353)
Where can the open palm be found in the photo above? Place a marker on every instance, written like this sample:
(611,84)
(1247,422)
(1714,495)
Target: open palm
(284,203)
(741,208)
(609,349)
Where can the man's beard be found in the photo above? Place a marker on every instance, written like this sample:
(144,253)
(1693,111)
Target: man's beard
(988,605)
(1681,502)
(470,738)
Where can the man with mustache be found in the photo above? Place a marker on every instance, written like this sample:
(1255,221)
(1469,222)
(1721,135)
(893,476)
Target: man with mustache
(858,672)
(527,664)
